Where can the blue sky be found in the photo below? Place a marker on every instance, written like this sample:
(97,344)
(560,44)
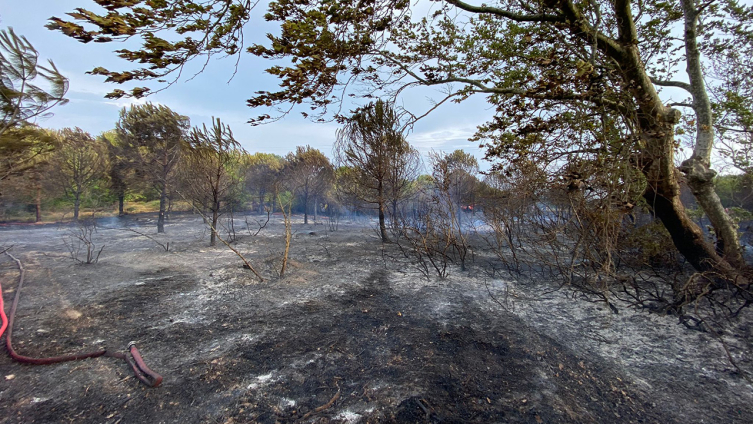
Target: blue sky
(212,94)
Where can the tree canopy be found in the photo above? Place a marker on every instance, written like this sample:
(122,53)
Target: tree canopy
(153,136)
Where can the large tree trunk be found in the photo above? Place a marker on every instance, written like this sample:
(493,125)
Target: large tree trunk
(662,193)
(655,154)
(700,176)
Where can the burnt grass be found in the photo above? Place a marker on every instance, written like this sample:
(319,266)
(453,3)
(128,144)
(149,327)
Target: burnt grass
(352,334)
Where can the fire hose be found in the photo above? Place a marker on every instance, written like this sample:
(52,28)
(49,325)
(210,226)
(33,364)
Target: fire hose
(135,361)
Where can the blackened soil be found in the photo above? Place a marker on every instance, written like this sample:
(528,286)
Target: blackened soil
(349,336)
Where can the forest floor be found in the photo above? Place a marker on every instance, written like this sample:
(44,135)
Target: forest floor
(353,333)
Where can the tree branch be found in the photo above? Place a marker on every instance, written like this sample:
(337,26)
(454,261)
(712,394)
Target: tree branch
(482,88)
(506,14)
(679,84)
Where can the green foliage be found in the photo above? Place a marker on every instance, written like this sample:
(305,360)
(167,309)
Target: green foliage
(307,173)
(211,165)
(372,145)
(208,28)
(262,172)
(78,163)
(152,139)
(23,148)
(21,96)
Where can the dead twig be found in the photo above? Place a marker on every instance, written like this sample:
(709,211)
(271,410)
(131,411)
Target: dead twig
(323,407)
(261,226)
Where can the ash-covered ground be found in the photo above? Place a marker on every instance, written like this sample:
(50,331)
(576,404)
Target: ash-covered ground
(352,334)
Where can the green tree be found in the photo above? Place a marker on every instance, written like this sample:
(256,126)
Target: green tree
(372,144)
(120,169)
(152,135)
(79,161)
(22,148)
(261,175)
(457,172)
(309,174)
(211,169)
(572,81)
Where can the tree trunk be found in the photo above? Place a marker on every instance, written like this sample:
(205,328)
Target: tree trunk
(288,234)
(655,154)
(76,205)
(306,207)
(38,204)
(700,176)
(121,204)
(162,207)
(215,217)
(381,201)
(663,196)
(316,207)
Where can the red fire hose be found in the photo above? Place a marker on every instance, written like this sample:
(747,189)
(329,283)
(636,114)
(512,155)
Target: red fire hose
(142,372)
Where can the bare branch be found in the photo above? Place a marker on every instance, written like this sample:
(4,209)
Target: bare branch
(679,84)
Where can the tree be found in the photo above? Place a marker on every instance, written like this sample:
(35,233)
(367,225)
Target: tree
(405,167)
(373,145)
(78,162)
(573,81)
(120,168)
(309,174)
(21,99)
(457,172)
(153,138)
(211,169)
(21,149)
(261,175)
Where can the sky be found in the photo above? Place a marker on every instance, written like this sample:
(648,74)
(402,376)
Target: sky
(215,91)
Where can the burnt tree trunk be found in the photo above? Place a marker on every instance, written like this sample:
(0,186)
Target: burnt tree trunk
(215,218)
(381,202)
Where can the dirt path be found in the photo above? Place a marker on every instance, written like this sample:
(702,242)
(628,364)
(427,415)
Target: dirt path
(348,336)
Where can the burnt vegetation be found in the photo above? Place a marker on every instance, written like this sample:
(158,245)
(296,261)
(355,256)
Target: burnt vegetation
(586,191)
